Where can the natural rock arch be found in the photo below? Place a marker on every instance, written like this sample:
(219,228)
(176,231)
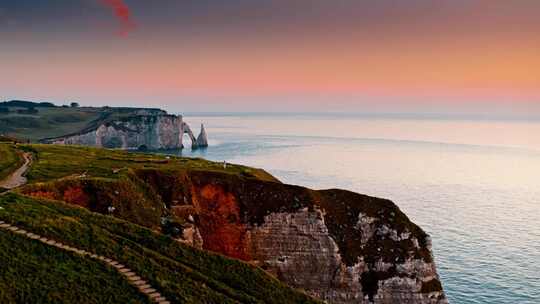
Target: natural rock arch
(196,142)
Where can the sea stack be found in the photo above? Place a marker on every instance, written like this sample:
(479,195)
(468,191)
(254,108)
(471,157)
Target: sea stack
(202,139)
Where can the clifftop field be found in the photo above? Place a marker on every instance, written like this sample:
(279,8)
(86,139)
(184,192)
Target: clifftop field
(9,159)
(163,216)
(34,121)
(36,273)
(183,274)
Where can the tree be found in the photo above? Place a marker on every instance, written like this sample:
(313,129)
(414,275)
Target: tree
(74,104)
(46,105)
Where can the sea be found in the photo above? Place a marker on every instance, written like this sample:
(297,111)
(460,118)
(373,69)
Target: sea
(472,183)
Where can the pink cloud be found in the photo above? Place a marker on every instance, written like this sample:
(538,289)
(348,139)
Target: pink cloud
(123,13)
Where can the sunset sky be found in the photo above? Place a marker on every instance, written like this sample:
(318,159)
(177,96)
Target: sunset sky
(477,56)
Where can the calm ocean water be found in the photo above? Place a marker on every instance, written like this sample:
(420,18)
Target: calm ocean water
(473,185)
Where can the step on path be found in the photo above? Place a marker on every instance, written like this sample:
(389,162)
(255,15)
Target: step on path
(133,279)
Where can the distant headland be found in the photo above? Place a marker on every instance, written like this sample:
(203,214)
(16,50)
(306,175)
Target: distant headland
(108,127)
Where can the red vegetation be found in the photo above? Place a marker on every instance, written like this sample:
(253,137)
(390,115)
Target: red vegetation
(43,194)
(76,196)
(220,223)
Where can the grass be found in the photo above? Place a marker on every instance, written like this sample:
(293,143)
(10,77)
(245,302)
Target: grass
(55,161)
(48,122)
(183,274)
(260,193)
(10,160)
(33,272)
(99,178)
(143,186)
(132,200)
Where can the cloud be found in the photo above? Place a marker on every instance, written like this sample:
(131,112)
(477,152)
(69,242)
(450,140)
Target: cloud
(123,13)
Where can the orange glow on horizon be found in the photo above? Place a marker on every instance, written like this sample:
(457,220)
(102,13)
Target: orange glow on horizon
(457,65)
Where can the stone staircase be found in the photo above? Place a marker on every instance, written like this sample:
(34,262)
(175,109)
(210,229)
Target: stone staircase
(142,285)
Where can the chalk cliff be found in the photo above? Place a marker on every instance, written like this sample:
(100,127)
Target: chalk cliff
(141,130)
(339,246)
(336,245)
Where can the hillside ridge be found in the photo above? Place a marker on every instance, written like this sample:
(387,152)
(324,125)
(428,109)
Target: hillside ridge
(338,246)
(181,273)
(132,277)
(109,127)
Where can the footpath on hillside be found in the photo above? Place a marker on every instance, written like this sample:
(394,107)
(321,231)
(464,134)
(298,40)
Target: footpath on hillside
(17,178)
(135,280)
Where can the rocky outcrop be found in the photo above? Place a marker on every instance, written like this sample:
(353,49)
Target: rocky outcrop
(143,129)
(339,246)
(202,139)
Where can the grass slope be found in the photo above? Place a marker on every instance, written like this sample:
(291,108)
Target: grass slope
(48,122)
(33,272)
(56,161)
(99,178)
(10,160)
(183,274)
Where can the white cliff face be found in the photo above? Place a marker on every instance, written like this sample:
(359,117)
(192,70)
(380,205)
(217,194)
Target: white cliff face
(299,250)
(365,227)
(154,132)
(338,246)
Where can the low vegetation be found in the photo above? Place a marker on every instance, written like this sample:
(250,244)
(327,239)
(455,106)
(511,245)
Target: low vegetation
(53,162)
(162,193)
(112,181)
(181,273)
(71,174)
(126,197)
(41,122)
(33,272)
(35,121)
(10,159)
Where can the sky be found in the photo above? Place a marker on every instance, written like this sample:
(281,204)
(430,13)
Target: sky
(462,56)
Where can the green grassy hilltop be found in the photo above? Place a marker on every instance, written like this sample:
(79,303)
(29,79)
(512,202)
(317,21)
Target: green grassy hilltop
(34,121)
(57,161)
(143,209)
(98,178)
(9,159)
(183,274)
(36,273)
(46,122)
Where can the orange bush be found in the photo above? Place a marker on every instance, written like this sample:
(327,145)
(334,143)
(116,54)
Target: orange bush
(75,195)
(43,194)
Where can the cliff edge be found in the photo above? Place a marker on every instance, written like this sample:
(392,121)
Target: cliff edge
(336,245)
(107,127)
(138,131)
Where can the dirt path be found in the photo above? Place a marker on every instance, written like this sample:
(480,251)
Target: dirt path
(131,276)
(17,178)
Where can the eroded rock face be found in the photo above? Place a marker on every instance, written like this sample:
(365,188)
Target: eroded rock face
(299,250)
(338,246)
(140,131)
(202,139)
